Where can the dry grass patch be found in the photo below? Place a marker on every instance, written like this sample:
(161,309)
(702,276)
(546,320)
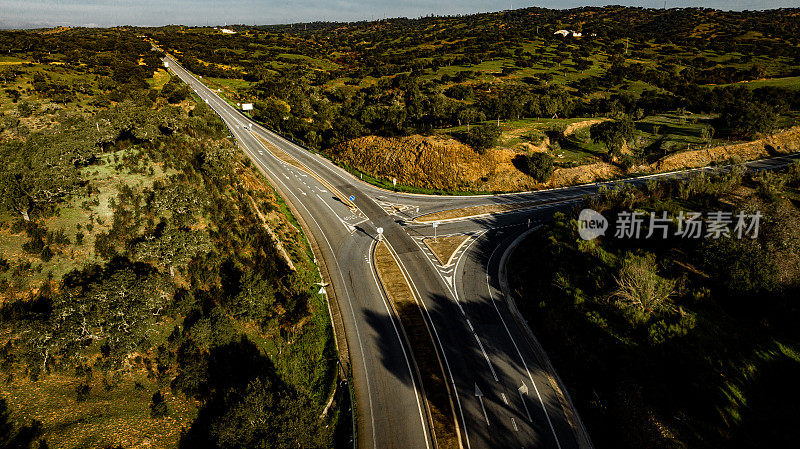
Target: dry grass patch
(107,418)
(445,247)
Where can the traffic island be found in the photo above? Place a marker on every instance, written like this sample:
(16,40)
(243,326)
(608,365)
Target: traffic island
(444,247)
(435,389)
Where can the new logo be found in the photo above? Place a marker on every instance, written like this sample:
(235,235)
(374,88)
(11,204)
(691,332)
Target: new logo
(591,224)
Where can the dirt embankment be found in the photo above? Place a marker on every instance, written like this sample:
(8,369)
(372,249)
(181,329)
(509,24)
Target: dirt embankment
(572,127)
(780,143)
(443,163)
(420,161)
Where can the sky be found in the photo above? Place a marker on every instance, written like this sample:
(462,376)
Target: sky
(46,13)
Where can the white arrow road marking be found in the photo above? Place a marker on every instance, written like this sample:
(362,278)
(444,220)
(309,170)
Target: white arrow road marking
(479,394)
(523,390)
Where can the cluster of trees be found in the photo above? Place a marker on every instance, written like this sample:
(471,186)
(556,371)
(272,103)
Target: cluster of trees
(399,89)
(186,247)
(628,319)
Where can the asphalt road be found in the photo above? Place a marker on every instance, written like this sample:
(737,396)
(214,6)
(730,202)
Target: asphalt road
(502,394)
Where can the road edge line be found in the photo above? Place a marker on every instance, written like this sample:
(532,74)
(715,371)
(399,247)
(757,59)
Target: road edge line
(437,347)
(387,300)
(578,428)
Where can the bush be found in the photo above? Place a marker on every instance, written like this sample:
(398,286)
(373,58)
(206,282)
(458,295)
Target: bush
(539,166)
(158,406)
(747,118)
(175,91)
(481,137)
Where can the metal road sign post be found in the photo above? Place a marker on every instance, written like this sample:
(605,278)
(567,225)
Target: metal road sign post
(435,225)
(380,234)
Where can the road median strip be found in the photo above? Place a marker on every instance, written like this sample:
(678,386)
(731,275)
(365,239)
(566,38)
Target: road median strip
(435,390)
(475,211)
(445,247)
(285,157)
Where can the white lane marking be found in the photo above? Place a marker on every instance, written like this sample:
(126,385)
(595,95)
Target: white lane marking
(519,353)
(514,423)
(505,399)
(402,345)
(349,228)
(362,221)
(486,356)
(438,340)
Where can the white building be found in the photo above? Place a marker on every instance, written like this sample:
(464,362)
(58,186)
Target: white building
(566,33)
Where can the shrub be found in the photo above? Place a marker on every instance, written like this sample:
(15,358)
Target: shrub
(640,288)
(539,166)
(747,118)
(481,137)
(158,406)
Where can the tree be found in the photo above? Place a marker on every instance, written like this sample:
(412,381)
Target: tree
(748,118)
(14,436)
(158,406)
(613,134)
(34,175)
(481,137)
(640,287)
(175,91)
(539,166)
(583,64)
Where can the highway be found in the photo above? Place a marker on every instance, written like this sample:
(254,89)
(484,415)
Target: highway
(502,393)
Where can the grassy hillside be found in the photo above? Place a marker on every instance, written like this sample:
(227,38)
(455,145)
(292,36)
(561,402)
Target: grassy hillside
(674,342)
(684,77)
(153,290)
